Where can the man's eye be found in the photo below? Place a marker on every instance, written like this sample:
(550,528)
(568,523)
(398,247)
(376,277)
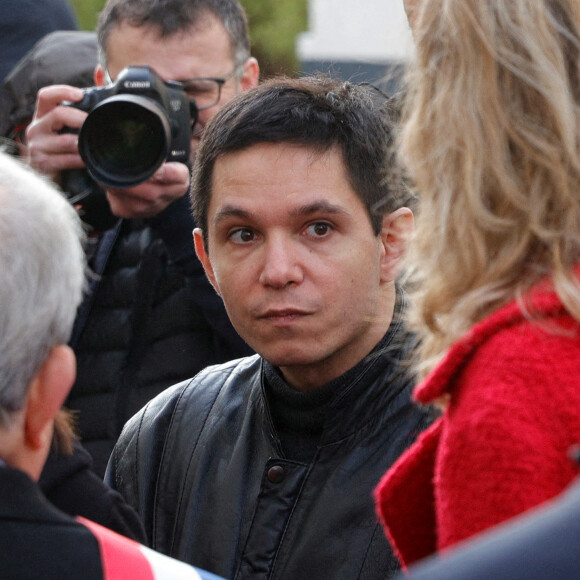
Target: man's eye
(242,236)
(319,229)
(199,87)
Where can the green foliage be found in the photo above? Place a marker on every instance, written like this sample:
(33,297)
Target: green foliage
(87,12)
(274,25)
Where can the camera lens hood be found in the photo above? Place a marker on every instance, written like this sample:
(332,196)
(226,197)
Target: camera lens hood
(124,140)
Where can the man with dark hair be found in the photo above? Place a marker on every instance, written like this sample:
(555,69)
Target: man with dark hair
(264,467)
(151,318)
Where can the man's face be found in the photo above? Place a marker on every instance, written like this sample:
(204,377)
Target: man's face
(202,52)
(292,252)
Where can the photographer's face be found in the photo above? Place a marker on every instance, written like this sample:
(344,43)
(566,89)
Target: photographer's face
(201,52)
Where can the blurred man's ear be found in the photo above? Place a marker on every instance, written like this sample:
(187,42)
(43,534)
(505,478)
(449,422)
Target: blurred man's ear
(47,393)
(396,235)
(251,74)
(99,76)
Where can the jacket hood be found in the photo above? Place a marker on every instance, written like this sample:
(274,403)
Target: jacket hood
(62,57)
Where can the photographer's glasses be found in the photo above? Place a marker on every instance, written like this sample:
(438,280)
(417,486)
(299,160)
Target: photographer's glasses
(205,91)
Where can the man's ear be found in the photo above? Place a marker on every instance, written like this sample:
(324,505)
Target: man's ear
(99,76)
(47,393)
(251,74)
(204,258)
(396,236)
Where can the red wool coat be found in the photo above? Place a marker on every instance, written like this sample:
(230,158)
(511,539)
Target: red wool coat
(501,447)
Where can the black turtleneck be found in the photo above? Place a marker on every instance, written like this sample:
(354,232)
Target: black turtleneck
(299,417)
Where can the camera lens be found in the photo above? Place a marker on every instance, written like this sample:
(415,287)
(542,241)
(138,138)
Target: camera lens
(124,140)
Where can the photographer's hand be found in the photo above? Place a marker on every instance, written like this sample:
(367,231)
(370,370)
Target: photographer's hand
(49,149)
(170,182)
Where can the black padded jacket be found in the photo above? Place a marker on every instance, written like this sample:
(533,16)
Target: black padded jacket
(151,319)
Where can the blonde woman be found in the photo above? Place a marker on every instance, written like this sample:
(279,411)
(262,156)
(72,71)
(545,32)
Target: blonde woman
(491,141)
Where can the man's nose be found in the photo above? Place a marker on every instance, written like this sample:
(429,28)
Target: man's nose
(281,265)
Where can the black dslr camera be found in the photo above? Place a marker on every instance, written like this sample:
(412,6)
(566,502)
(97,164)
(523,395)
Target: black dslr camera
(133,126)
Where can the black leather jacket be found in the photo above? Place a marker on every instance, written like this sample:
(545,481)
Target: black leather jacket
(203,465)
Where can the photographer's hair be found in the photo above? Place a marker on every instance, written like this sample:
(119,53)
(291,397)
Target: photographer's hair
(316,112)
(43,276)
(490,138)
(170,17)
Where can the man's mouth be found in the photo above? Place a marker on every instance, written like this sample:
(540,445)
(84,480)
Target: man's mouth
(283,315)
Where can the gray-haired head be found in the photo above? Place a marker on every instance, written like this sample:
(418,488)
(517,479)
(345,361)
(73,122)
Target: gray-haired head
(43,276)
(170,17)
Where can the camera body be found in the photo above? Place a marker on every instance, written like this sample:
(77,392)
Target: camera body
(133,126)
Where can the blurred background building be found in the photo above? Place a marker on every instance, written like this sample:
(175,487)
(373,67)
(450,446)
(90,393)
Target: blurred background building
(360,41)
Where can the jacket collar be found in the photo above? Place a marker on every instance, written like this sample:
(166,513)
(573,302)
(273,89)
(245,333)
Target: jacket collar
(544,305)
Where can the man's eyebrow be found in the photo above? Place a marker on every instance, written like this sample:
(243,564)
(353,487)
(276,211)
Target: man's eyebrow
(316,207)
(319,206)
(229,211)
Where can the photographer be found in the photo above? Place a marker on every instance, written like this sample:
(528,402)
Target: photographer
(151,318)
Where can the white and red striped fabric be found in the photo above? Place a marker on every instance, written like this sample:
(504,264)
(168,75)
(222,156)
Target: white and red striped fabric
(125,559)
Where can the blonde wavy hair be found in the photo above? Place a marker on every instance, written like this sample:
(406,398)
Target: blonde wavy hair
(490,138)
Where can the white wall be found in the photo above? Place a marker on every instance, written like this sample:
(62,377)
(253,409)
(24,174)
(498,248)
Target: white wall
(371,31)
